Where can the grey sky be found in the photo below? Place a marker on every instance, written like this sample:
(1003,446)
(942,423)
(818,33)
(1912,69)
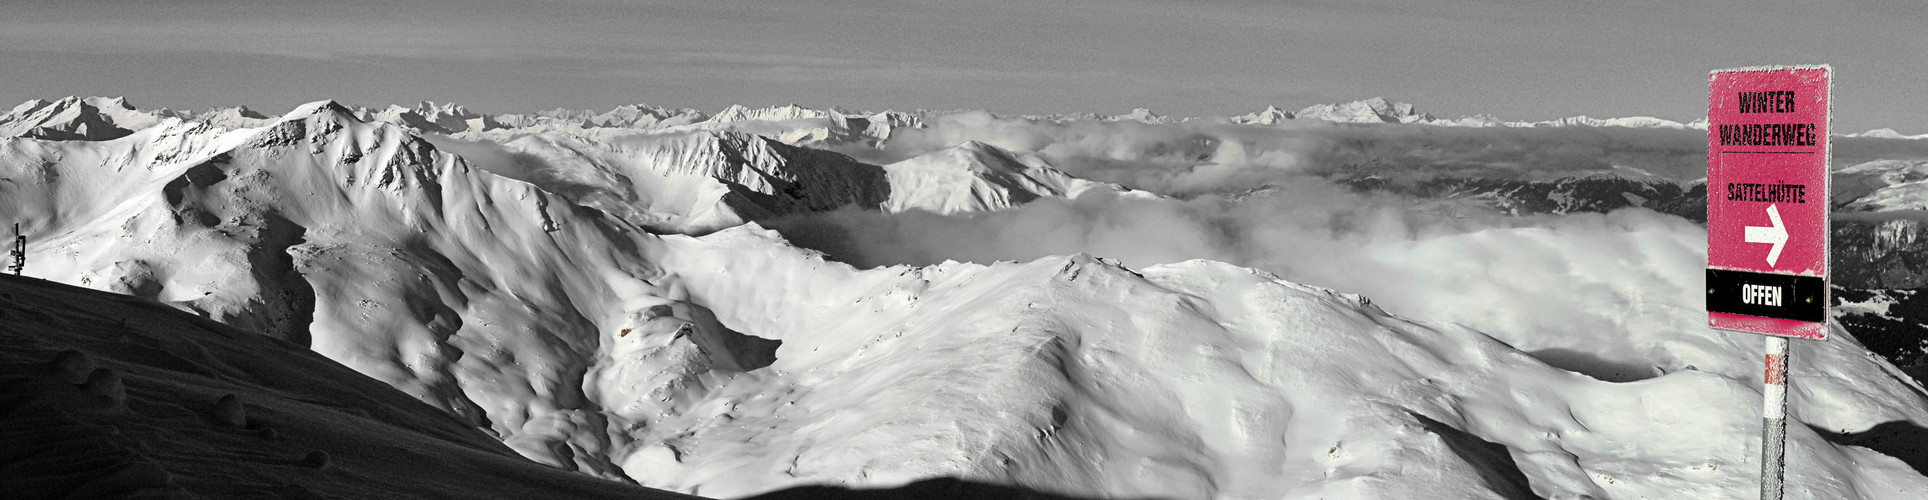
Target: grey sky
(1516,59)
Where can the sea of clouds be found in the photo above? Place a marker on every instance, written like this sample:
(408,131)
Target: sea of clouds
(1596,292)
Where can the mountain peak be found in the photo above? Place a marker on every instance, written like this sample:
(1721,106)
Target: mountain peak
(737,112)
(75,118)
(1272,115)
(976,145)
(1142,115)
(110,102)
(321,108)
(1370,110)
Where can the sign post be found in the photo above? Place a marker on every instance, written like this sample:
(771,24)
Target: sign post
(1767,222)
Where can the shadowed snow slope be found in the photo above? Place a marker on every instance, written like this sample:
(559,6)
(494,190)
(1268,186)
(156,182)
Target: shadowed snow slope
(111,396)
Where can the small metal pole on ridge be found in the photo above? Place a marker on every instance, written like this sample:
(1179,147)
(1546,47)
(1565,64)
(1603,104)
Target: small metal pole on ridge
(1774,419)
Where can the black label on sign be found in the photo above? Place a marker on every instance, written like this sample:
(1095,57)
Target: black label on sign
(1799,298)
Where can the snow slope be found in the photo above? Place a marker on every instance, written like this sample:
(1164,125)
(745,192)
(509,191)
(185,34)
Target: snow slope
(464,289)
(1883,186)
(480,294)
(1205,380)
(112,396)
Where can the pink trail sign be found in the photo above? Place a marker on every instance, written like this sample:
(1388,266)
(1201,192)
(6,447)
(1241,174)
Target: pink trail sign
(1767,200)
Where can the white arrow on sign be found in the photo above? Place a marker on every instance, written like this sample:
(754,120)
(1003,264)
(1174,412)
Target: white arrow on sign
(1775,234)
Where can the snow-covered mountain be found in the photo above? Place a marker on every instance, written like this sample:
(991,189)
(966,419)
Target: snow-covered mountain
(692,182)
(1887,321)
(103,118)
(1886,133)
(1379,110)
(444,118)
(978,177)
(1599,192)
(233,118)
(73,118)
(353,238)
(534,291)
(482,295)
(644,116)
(1374,110)
(739,113)
(112,396)
(1270,116)
(1631,122)
(704,180)
(790,124)
(1883,186)
(1883,251)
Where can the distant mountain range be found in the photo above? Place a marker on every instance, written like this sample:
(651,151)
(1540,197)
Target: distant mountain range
(98,118)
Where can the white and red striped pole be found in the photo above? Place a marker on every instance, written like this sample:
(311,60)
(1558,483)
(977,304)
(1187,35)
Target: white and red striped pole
(1774,418)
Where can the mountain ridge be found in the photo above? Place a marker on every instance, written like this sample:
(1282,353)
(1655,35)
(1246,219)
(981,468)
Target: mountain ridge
(843,126)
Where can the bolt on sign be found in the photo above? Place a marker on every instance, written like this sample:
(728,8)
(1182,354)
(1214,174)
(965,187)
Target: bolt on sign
(1767,200)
